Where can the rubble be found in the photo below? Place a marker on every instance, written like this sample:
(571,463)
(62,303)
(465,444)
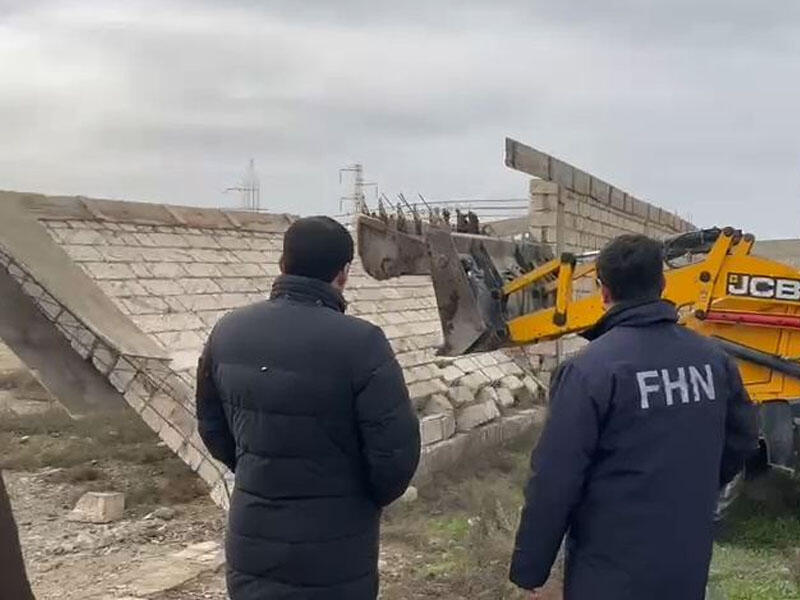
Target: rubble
(470,417)
(98,507)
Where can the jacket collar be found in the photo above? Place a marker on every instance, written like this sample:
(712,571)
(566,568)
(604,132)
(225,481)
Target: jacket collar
(633,314)
(306,289)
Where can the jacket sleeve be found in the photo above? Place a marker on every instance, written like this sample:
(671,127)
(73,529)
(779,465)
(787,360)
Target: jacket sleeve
(211,421)
(387,423)
(741,427)
(558,470)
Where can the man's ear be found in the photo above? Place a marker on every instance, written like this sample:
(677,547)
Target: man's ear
(342,277)
(605,293)
(281,264)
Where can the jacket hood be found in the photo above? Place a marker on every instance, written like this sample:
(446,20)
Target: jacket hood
(307,289)
(633,314)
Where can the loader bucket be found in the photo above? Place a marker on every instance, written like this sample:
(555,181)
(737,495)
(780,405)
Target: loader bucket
(467,272)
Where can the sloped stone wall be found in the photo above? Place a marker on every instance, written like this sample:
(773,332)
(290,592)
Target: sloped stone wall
(174,281)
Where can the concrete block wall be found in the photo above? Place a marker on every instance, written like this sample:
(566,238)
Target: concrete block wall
(574,211)
(590,220)
(167,274)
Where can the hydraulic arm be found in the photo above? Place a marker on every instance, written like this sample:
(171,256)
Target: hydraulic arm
(494,293)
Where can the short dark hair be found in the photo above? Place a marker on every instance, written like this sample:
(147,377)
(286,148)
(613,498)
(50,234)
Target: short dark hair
(316,247)
(632,268)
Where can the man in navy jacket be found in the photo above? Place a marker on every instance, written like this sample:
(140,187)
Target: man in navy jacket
(646,424)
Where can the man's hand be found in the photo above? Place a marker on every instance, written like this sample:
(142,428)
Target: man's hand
(536,595)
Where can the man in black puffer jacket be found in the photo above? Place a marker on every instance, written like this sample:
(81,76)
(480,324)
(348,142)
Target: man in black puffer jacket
(308,407)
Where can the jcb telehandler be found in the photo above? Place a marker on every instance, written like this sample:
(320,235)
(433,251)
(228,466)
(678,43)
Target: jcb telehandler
(494,293)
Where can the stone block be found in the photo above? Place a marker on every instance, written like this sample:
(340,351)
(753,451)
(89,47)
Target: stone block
(582,182)
(541,186)
(494,373)
(422,390)
(533,387)
(162,287)
(460,395)
(474,381)
(409,496)
(199,286)
(167,270)
(108,270)
(487,394)
(249,270)
(122,374)
(83,253)
(470,417)
(438,405)
(209,472)
(122,289)
(189,454)
(505,398)
(162,404)
(144,305)
(49,306)
(202,270)
(153,420)
(172,438)
(486,359)
(512,383)
(561,173)
(176,341)
(103,358)
(449,425)
(99,507)
(600,190)
(431,429)
(236,284)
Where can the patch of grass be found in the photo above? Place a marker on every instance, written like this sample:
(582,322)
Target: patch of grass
(462,529)
(461,535)
(54,439)
(17,379)
(104,452)
(752,574)
(758,556)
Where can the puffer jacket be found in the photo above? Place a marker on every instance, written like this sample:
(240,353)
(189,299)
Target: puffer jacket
(309,408)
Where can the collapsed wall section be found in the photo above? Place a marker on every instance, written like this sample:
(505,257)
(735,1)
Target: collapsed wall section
(167,274)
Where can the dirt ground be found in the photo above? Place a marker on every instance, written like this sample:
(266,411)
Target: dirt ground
(454,542)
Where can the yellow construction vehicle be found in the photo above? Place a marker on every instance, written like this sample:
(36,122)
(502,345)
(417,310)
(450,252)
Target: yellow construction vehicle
(494,293)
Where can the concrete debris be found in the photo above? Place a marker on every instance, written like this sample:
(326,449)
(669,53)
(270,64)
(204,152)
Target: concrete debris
(160,574)
(470,417)
(474,381)
(165,513)
(435,428)
(487,394)
(98,507)
(460,395)
(438,405)
(505,399)
(409,496)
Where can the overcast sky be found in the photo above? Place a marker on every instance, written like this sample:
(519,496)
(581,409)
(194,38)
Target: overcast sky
(690,105)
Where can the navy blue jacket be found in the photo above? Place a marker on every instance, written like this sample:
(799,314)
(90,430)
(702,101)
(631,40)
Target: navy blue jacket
(646,423)
(309,408)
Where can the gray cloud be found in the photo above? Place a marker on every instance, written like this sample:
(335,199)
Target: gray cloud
(691,105)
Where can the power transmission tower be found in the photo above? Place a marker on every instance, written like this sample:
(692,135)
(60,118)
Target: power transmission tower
(249,188)
(357,200)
